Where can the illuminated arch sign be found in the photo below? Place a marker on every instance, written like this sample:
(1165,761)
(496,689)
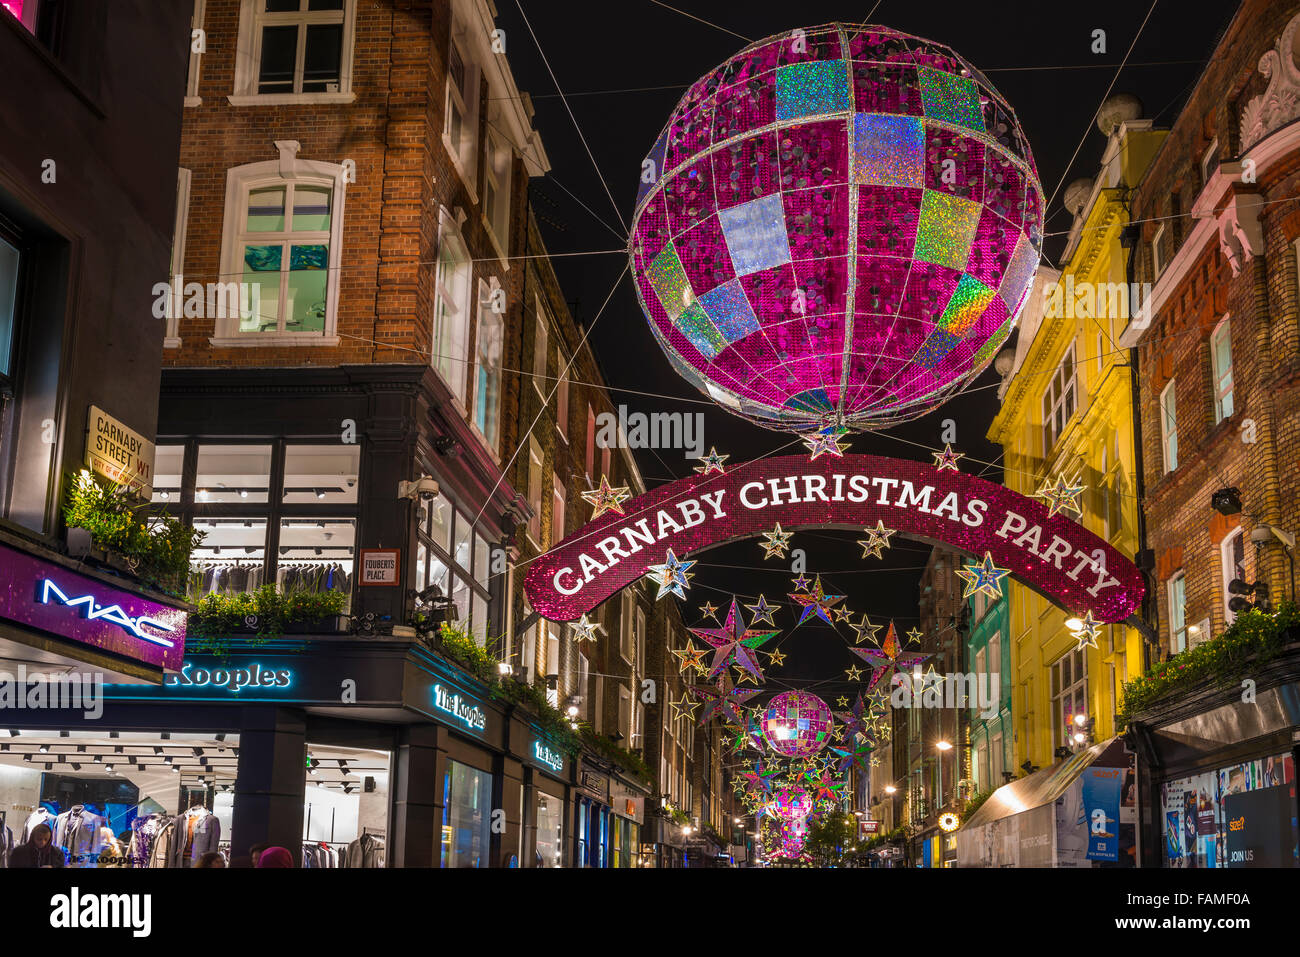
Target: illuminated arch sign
(1055,556)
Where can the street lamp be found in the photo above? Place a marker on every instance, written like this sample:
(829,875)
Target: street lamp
(890,789)
(942,746)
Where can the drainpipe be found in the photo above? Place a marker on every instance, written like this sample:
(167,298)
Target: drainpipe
(1148,602)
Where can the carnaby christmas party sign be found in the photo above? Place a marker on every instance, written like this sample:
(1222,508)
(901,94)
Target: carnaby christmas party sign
(1050,553)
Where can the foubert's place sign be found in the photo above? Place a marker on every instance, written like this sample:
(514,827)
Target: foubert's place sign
(1056,556)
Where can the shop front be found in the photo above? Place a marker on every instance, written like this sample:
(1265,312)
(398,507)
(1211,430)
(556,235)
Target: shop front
(1222,775)
(591,817)
(545,803)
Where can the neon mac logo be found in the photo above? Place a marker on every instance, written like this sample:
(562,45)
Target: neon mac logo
(113,613)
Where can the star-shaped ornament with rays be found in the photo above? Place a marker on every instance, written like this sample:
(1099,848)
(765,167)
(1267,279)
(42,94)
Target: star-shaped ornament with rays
(865,631)
(672,575)
(947,459)
(584,629)
(983,577)
(816,602)
(776,542)
(826,441)
(887,659)
(1062,496)
(712,462)
(877,540)
(606,498)
(762,611)
(734,643)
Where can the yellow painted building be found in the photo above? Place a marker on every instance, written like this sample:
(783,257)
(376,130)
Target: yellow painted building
(1067,408)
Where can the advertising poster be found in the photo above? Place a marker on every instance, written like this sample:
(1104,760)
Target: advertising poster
(1257,821)
(1101,799)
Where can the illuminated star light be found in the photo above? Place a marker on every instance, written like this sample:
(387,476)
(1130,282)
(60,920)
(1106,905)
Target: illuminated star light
(723,701)
(690,657)
(817,602)
(888,658)
(826,441)
(983,577)
(776,657)
(1061,496)
(709,610)
(866,630)
(762,611)
(843,614)
(877,540)
(1088,632)
(671,576)
(606,499)
(800,583)
(712,462)
(684,708)
(584,629)
(914,636)
(947,459)
(842,701)
(734,643)
(854,673)
(777,543)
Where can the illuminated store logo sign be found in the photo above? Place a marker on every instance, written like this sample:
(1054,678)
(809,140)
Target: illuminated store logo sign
(552,759)
(462,709)
(254,676)
(110,613)
(1050,553)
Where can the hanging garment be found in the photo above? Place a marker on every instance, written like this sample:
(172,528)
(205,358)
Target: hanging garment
(6,842)
(202,833)
(365,851)
(77,833)
(41,815)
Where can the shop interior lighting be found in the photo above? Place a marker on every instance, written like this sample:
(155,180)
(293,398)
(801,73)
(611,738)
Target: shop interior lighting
(107,767)
(114,734)
(44,748)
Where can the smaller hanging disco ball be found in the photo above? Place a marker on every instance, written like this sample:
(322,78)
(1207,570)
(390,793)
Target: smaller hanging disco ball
(792,804)
(797,724)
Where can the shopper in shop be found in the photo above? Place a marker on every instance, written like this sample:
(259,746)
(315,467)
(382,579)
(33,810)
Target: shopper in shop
(39,851)
(275,857)
(214,859)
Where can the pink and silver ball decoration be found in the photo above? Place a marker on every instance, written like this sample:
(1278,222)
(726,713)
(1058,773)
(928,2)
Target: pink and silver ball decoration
(797,724)
(792,804)
(838,226)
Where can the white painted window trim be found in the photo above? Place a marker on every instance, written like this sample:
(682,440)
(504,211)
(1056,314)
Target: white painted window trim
(536,467)
(1206,158)
(1049,413)
(1178,576)
(1168,427)
(464,158)
(484,304)
(1225,566)
(449,232)
(248,57)
(495,144)
(626,628)
(171,336)
(541,338)
(559,508)
(1224,328)
(1157,266)
(192,97)
(240,180)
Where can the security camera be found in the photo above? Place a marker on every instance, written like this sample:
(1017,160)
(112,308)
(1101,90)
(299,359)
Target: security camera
(424,488)
(1263,532)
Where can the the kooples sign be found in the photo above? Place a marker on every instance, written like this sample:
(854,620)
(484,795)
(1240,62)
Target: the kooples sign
(466,711)
(1054,555)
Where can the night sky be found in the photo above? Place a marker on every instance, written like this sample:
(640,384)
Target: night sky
(623,66)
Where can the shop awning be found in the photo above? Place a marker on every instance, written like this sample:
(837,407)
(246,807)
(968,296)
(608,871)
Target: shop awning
(1045,786)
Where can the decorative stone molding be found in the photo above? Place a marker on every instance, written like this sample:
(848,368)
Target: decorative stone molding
(1280,103)
(1241,237)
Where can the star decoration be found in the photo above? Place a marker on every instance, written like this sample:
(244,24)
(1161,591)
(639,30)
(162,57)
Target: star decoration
(800,583)
(684,708)
(671,576)
(865,630)
(853,752)
(778,542)
(744,675)
(762,611)
(776,657)
(842,701)
(826,441)
(817,602)
(606,499)
(854,673)
(584,629)
(947,459)
(826,787)
(733,643)
(877,540)
(842,614)
(888,659)
(709,610)
(690,657)
(914,636)
(1061,496)
(712,462)
(723,701)
(856,721)
(1088,632)
(984,577)
(838,733)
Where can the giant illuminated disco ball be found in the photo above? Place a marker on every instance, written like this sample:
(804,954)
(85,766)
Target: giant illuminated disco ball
(797,724)
(792,804)
(837,226)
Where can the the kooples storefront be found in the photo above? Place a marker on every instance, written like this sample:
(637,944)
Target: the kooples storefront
(1222,774)
(350,752)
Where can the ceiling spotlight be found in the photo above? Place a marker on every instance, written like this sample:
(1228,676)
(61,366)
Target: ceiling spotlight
(166,735)
(221,736)
(320,493)
(175,769)
(157,750)
(108,768)
(81,749)
(44,748)
(243,493)
(164,495)
(76,767)
(98,759)
(65,734)
(114,734)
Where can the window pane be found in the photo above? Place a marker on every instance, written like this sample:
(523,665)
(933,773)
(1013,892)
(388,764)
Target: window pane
(8,296)
(324,474)
(463,532)
(261,311)
(438,574)
(311,208)
(481,555)
(460,598)
(323,55)
(168,461)
(479,618)
(421,566)
(266,210)
(324,4)
(233,473)
(283,6)
(231,559)
(305,310)
(465,821)
(440,526)
(279,50)
(316,555)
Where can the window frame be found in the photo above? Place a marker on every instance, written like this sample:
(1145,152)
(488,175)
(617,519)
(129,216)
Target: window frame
(541,345)
(1223,397)
(1060,395)
(1227,567)
(463,155)
(1076,691)
(248,55)
(458,572)
(559,501)
(486,318)
(562,395)
(1157,267)
(180,226)
(536,467)
(1177,636)
(288,171)
(1209,156)
(452,241)
(626,638)
(1168,412)
(498,166)
(193,73)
